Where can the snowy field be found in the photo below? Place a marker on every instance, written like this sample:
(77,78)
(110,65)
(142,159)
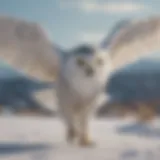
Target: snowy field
(29,138)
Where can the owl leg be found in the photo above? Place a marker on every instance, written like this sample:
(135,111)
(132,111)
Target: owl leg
(71,134)
(71,130)
(67,115)
(84,137)
(85,140)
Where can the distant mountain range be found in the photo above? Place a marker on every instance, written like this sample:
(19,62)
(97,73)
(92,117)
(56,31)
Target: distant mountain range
(136,81)
(17,91)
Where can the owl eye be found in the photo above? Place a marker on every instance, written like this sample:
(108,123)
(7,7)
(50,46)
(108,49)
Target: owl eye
(80,62)
(100,61)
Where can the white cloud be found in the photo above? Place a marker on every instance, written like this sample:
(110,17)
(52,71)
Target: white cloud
(109,7)
(112,7)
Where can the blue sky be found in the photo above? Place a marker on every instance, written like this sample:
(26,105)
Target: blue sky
(70,22)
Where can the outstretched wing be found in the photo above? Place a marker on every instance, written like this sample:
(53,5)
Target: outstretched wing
(131,40)
(26,47)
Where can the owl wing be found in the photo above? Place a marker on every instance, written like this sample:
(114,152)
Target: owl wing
(131,40)
(26,47)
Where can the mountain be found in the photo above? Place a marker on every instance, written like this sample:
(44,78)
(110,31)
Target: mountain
(140,80)
(136,82)
(17,91)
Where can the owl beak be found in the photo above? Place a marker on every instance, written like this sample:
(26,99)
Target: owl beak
(89,71)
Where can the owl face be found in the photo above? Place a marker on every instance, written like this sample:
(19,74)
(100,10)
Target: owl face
(90,65)
(87,69)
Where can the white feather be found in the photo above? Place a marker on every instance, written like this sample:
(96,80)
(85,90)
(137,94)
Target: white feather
(25,46)
(134,40)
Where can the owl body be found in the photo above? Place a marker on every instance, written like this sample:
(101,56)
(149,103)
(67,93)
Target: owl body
(81,80)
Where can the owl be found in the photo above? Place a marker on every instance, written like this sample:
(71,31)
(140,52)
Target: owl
(81,72)
(82,78)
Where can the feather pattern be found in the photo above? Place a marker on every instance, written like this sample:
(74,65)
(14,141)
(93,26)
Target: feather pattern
(26,46)
(133,40)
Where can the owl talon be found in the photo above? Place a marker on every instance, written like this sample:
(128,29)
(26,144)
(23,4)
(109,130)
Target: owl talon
(86,142)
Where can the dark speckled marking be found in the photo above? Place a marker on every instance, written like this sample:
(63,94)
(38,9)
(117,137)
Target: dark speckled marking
(83,50)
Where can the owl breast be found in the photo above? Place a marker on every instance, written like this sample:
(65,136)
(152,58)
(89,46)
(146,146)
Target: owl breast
(86,86)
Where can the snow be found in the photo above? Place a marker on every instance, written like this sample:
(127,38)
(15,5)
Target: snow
(37,138)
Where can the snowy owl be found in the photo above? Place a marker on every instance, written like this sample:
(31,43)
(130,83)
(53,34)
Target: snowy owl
(82,77)
(82,71)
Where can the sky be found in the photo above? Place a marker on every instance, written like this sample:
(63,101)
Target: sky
(71,22)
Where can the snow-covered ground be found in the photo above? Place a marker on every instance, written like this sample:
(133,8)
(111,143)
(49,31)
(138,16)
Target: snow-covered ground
(29,138)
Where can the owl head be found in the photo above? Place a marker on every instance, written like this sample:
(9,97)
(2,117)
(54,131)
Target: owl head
(87,67)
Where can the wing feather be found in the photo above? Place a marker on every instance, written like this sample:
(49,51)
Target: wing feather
(26,47)
(138,39)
